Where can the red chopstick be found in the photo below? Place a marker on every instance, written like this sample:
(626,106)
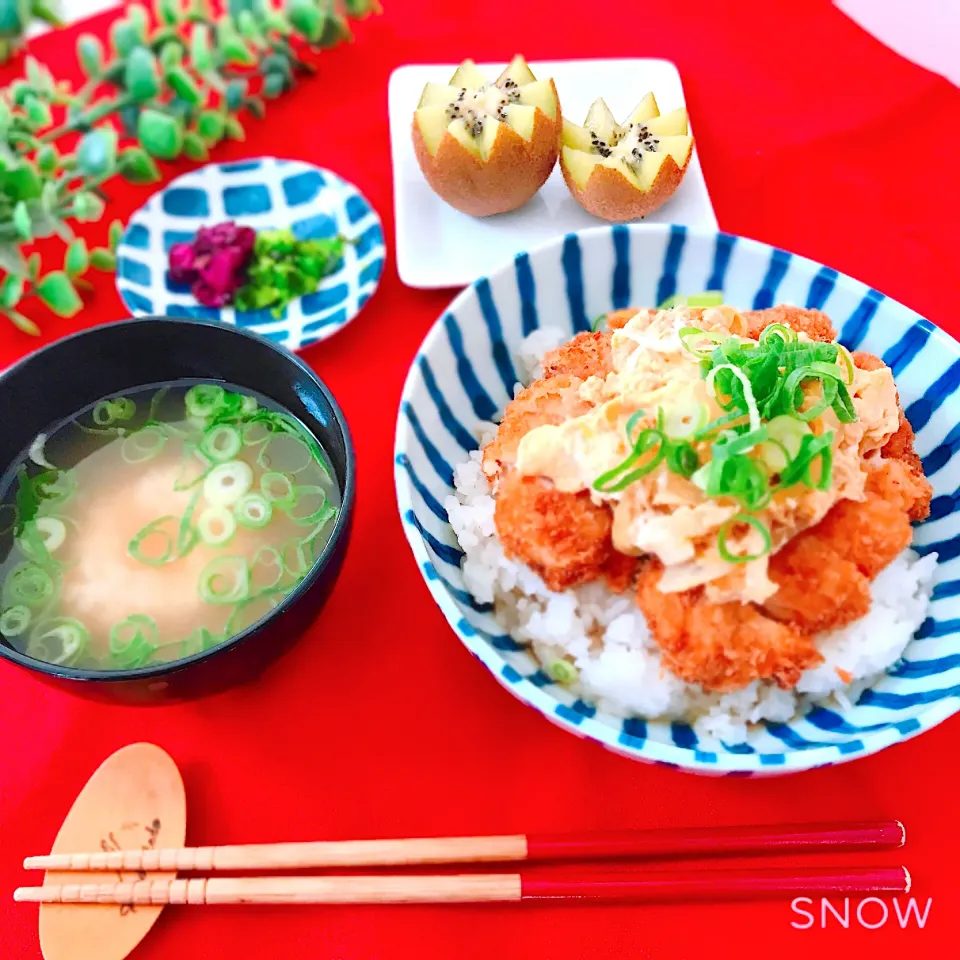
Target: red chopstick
(716,841)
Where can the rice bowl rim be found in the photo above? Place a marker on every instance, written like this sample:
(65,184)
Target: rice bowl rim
(594,727)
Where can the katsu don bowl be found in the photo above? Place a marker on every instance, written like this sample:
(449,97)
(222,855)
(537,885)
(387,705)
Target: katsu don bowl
(712,531)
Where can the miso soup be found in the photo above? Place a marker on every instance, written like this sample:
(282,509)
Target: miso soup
(155,525)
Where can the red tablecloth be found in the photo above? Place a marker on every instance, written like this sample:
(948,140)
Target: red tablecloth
(813,136)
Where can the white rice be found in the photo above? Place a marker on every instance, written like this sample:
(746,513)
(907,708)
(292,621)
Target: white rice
(607,637)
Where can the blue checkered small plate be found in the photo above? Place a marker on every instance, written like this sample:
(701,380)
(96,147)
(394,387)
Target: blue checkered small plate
(263,193)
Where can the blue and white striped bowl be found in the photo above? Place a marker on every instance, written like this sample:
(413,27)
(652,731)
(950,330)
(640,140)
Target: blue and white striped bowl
(263,193)
(464,373)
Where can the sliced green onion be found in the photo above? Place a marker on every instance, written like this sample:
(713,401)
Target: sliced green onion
(204,400)
(225,581)
(253,510)
(788,431)
(153,545)
(53,531)
(227,482)
(277,487)
(133,641)
(724,532)
(216,525)
(200,640)
(845,358)
(37,455)
(774,454)
(684,419)
(312,503)
(194,467)
(221,443)
(143,444)
(155,402)
(252,610)
(649,441)
(295,560)
(812,447)
(255,432)
(266,558)
(15,620)
(563,672)
(682,459)
(58,640)
(187,534)
(54,487)
(711,298)
(285,453)
(748,398)
(598,323)
(730,444)
(27,583)
(779,331)
(691,336)
(728,420)
(249,405)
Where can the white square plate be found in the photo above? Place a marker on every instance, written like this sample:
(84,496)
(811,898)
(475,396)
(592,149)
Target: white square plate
(438,246)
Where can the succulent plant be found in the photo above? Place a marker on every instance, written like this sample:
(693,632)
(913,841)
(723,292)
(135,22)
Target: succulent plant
(166,89)
(17,15)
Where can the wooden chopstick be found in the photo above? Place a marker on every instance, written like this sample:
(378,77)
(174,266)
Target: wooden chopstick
(679,886)
(531,848)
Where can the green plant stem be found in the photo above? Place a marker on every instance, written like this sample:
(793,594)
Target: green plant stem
(87,120)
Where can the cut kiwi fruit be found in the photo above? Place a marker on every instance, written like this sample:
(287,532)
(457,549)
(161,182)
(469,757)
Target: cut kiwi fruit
(487,147)
(623,171)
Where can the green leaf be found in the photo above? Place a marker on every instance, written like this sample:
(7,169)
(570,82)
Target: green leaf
(277,20)
(21,91)
(39,76)
(129,115)
(335,29)
(166,11)
(183,86)
(115,233)
(22,183)
(361,8)
(137,167)
(194,147)
(58,293)
(236,8)
(138,16)
(160,135)
(256,107)
(49,197)
(171,55)
(21,221)
(210,125)
(273,85)
(123,37)
(201,54)
(248,26)
(47,158)
(14,17)
(97,152)
(233,47)
(102,259)
(11,291)
(47,12)
(11,259)
(142,76)
(38,112)
(76,259)
(236,93)
(32,269)
(306,18)
(90,55)
(22,323)
(234,128)
(87,207)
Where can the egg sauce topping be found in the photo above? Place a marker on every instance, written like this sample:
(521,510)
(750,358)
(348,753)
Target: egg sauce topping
(699,472)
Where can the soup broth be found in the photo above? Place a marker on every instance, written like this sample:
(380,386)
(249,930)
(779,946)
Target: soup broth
(155,525)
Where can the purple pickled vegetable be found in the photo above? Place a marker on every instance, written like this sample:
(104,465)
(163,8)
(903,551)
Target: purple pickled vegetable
(182,263)
(215,262)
